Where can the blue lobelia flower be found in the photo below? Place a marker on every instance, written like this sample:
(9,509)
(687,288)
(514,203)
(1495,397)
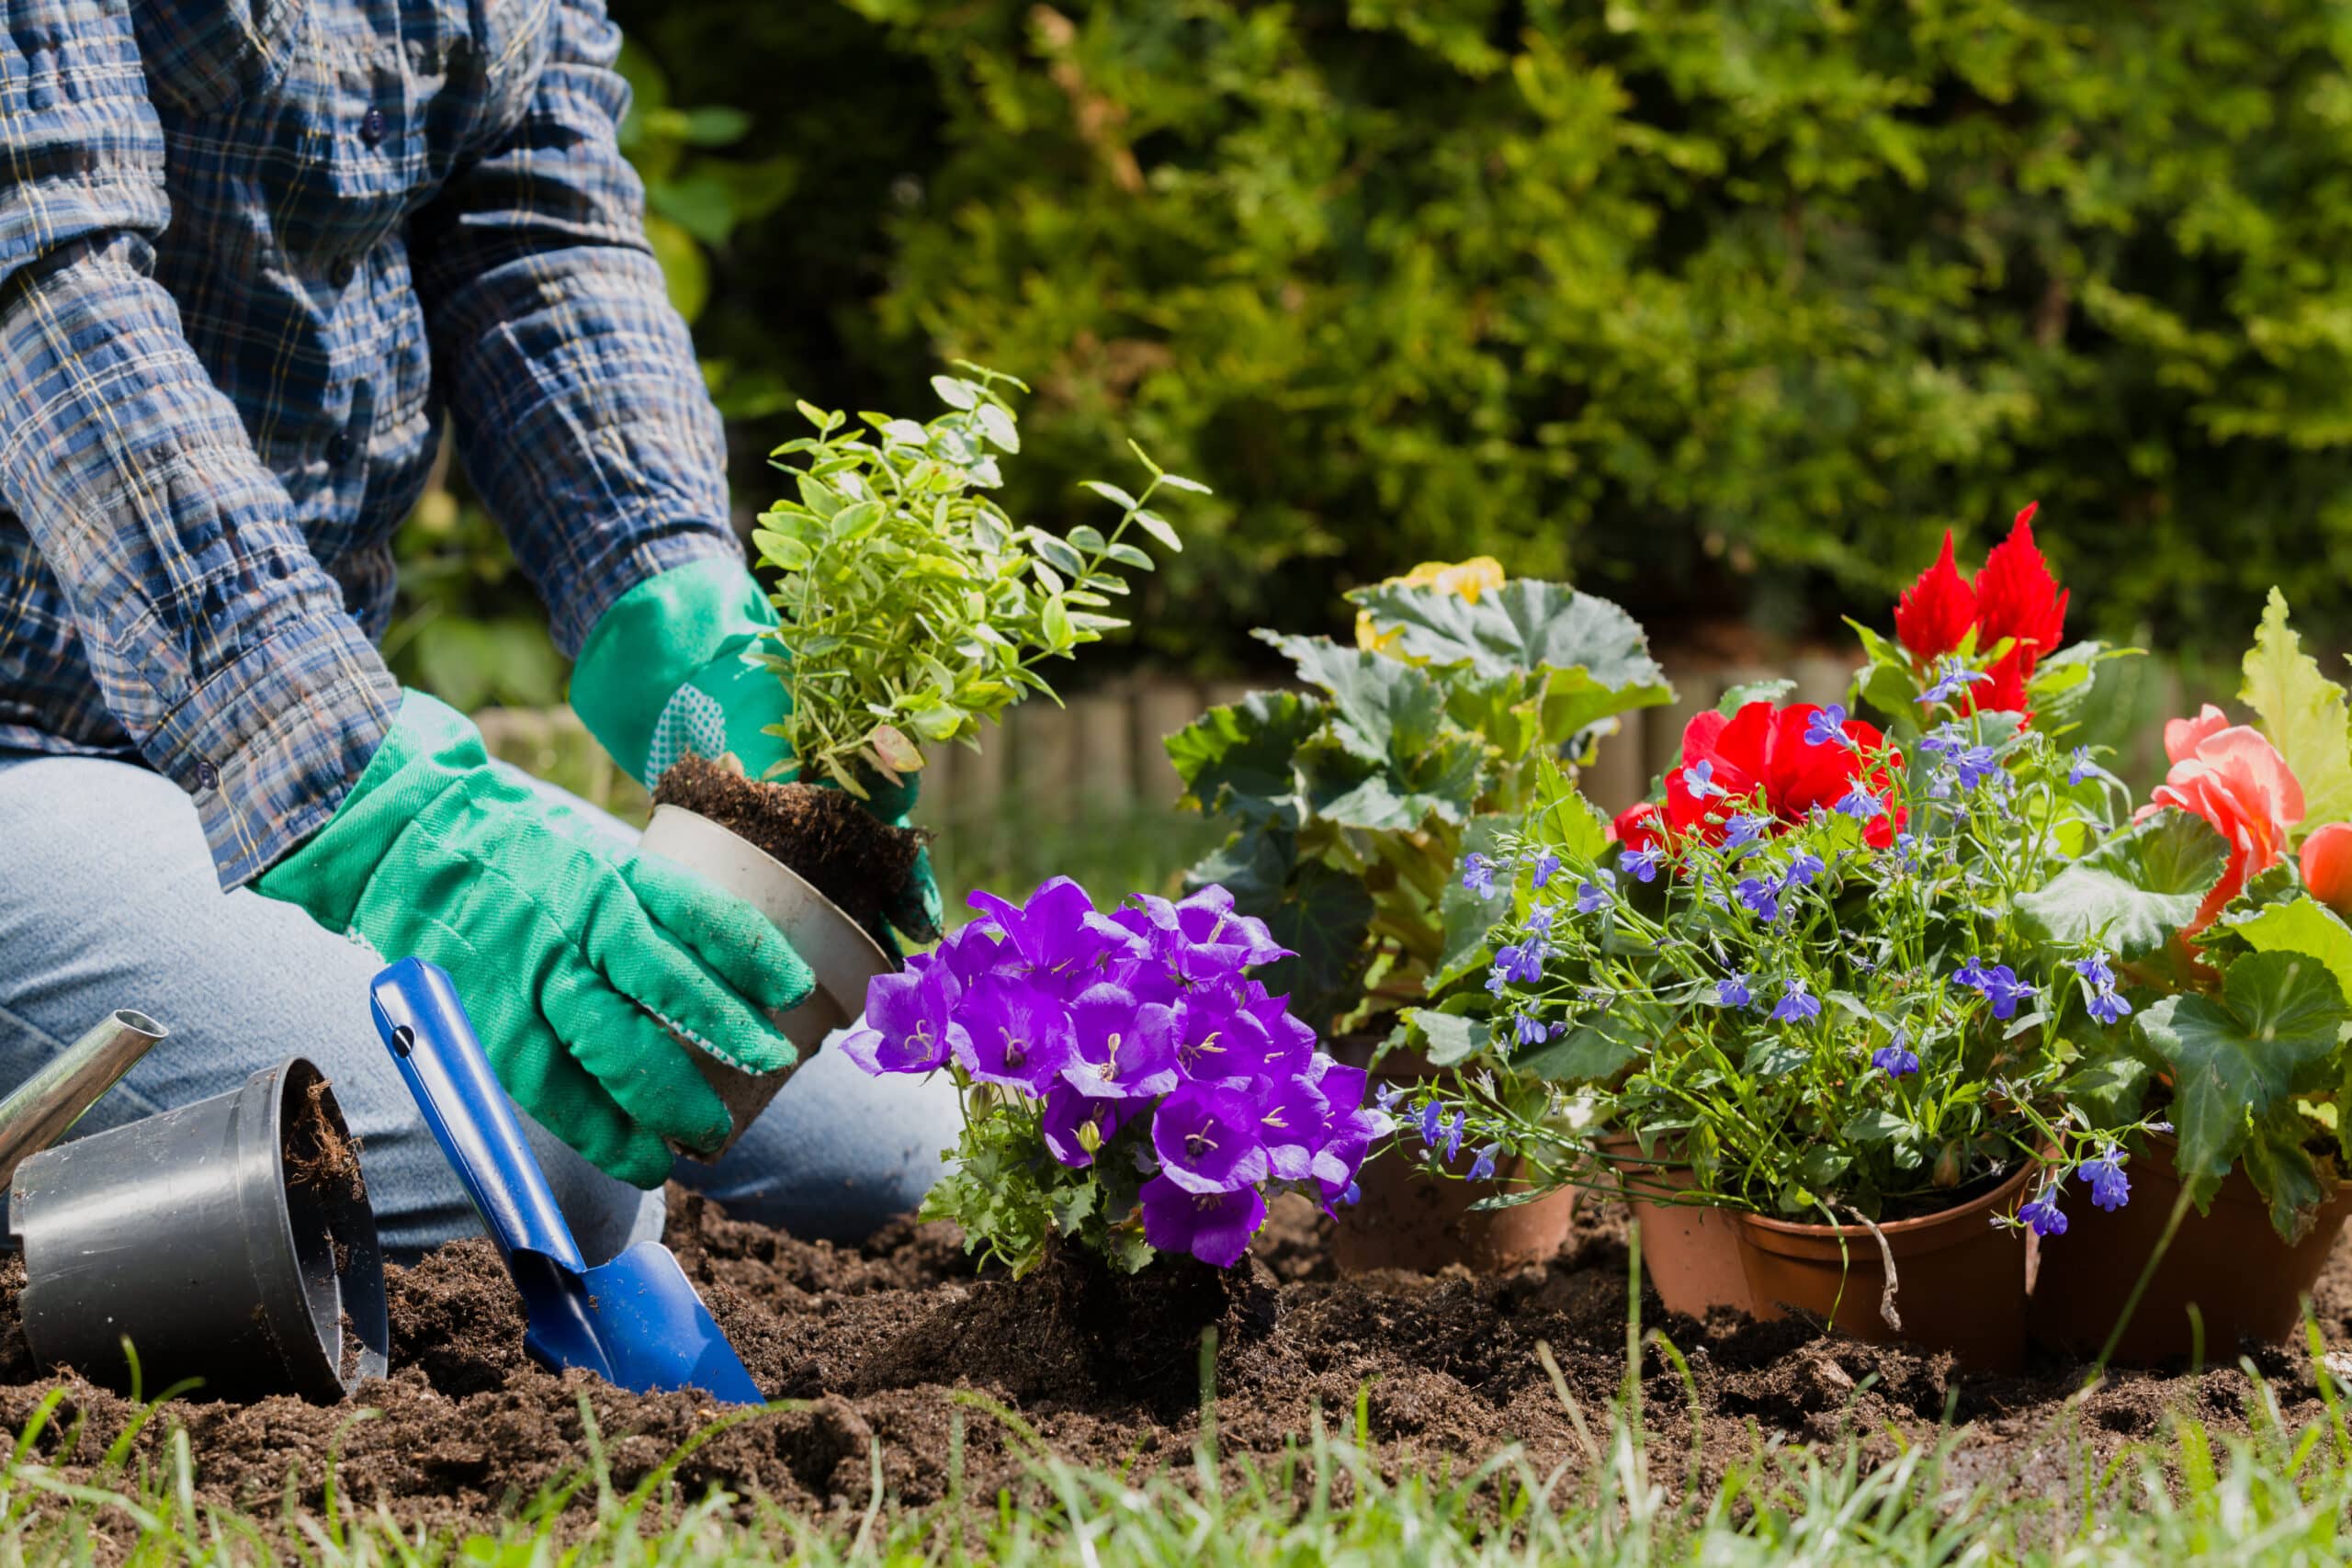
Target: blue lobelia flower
(1483,1168)
(1952,675)
(1539,919)
(1975,765)
(1970,974)
(1526,964)
(2110,1188)
(1796,1004)
(1478,874)
(1827,726)
(1454,1134)
(1532,1030)
(2082,765)
(1803,866)
(1698,778)
(2097,969)
(1545,865)
(2108,1006)
(1734,991)
(2004,991)
(1896,1058)
(1860,804)
(1643,864)
(2044,1214)
(1762,896)
(1432,1117)
(1947,739)
(1593,896)
(1743,830)
(1386,1096)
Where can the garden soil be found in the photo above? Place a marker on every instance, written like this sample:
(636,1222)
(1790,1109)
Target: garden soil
(890,1347)
(826,835)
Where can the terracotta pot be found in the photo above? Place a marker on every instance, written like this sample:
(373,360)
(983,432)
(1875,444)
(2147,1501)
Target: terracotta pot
(1409,1218)
(1961,1283)
(2245,1282)
(839,952)
(1690,1252)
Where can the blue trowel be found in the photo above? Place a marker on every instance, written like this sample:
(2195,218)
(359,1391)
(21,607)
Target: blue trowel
(636,1322)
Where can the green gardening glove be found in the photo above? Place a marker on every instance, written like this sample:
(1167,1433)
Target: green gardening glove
(674,667)
(578,962)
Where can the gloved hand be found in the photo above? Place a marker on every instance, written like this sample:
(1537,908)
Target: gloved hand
(575,959)
(675,666)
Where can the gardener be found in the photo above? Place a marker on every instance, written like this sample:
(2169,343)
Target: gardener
(250,256)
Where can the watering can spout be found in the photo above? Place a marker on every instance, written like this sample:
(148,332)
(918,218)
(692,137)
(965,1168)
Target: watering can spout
(46,1105)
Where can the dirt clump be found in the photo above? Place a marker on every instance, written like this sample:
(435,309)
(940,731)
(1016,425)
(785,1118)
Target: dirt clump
(826,835)
(320,1152)
(891,1349)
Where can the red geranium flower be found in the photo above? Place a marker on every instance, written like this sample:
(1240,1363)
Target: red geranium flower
(1760,759)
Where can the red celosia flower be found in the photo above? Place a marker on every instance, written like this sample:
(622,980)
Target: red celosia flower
(2017,597)
(1759,759)
(2004,689)
(1935,611)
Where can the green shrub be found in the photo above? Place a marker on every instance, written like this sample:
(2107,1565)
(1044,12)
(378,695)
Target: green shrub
(1695,303)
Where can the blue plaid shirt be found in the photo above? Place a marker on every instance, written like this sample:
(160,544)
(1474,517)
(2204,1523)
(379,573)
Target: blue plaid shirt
(251,252)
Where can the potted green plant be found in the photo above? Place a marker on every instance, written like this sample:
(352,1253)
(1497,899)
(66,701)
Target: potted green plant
(1808,979)
(911,611)
(2240,977)
(1354,802)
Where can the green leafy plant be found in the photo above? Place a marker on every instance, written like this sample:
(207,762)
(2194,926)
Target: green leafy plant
(1352,802)
(913,607)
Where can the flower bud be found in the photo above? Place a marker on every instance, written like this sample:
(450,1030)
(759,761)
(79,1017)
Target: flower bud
(2327,865)
(1090,1135)
(1948,1165)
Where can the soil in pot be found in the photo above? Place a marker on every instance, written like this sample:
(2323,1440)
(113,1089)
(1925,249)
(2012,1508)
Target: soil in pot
(1690,1253)
(1960,1282)
(826,835)
(2246,1280)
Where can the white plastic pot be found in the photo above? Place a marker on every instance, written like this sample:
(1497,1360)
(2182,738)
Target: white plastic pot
(836,948)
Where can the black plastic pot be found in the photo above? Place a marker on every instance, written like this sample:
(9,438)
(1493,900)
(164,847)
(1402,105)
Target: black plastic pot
(224,1239)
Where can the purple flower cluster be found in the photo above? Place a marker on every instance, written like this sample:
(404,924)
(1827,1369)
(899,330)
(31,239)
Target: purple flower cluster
(1145,1015)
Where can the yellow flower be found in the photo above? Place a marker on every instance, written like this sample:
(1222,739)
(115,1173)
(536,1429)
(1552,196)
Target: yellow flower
(1465,579)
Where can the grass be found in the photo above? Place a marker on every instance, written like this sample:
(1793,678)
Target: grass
(2280,1496)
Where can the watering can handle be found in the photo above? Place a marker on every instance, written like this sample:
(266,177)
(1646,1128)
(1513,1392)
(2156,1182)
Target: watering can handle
(431,1041)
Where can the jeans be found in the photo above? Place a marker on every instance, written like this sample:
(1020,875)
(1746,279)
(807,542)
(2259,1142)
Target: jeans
(108,899)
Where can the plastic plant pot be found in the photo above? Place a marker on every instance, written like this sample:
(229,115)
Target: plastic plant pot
(1961,1280)
(839,952)
(1690,1252)
(228,1240)
(2246,1280)
(1407,1216)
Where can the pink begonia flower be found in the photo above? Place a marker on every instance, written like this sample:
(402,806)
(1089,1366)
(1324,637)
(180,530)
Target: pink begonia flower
(2237,781)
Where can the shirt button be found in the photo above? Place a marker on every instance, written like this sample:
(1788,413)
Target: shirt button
(206,776)
(340,448)
(343,272)
(371,126)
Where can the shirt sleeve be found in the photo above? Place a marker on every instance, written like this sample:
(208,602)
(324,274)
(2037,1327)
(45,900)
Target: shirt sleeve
(580,408)
(217,639)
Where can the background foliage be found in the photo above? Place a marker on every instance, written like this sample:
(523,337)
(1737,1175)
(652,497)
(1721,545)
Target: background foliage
(1717,309)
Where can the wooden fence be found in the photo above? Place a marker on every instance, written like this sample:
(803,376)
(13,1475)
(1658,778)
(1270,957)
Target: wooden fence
(1101,755)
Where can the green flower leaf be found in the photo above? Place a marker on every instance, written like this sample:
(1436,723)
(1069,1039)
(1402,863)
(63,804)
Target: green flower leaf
(1382,709)
(1446,1038)
(2305,926)
(1592,1052)
(2271,1033)
(1236,760)
(1321,914)
(1398,794)
(1597,654)
(2303,714)
(2134,891)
